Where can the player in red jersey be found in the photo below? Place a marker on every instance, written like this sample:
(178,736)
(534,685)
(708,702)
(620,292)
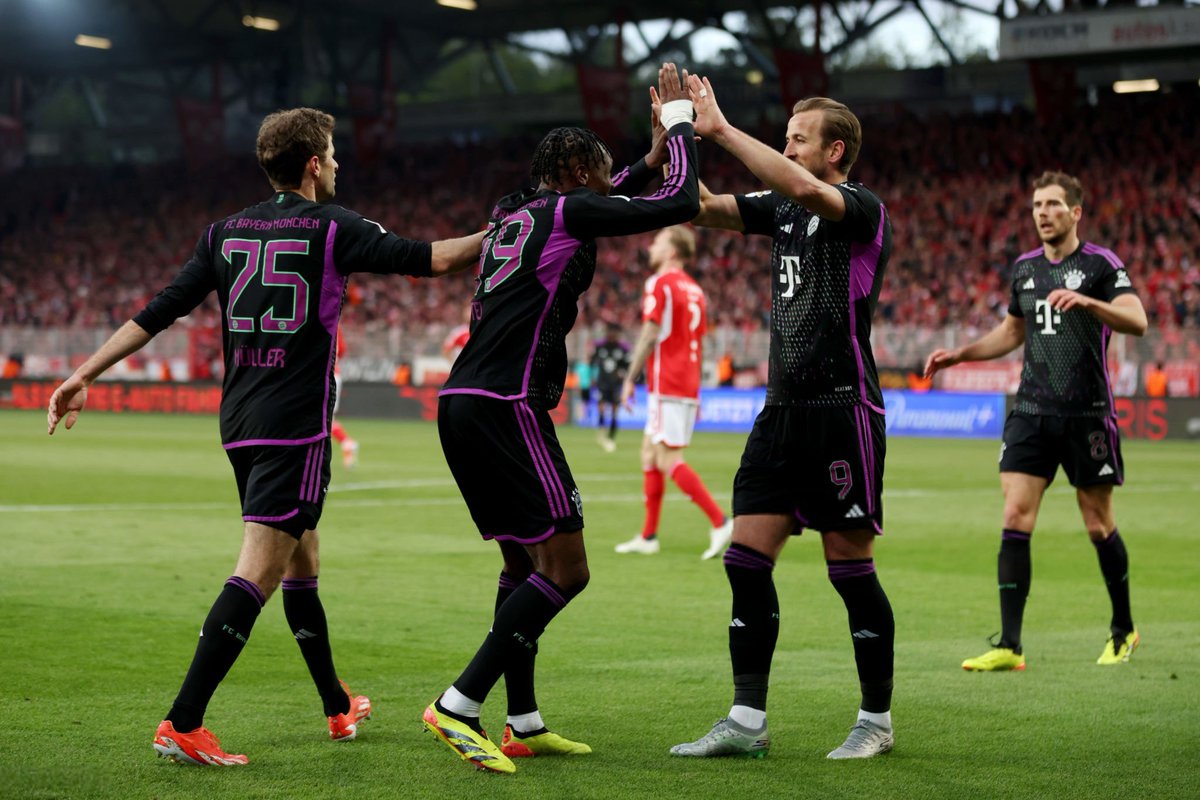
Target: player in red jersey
(670,347)
(348,443)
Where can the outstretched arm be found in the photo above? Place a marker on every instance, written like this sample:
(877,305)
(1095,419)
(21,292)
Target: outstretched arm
(718,211)
(69,398)
(455,255)
(1000,340)
(641,351)
(770,166)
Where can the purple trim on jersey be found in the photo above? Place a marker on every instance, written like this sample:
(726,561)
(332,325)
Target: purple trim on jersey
(556,494)
(280,518)
(276,442)
(840,570)
(1031,254)
(620,177)
(249,587)
(678,171)
(210,235)
(509,582)
(293,584)
(864,260)
(1105,336)
(560,246)
(548,589)
(804,523)
(1108,255)
(512,537)
(329,311)
(735,557)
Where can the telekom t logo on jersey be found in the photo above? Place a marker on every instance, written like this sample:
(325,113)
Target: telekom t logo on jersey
(790,274)
(1046,316)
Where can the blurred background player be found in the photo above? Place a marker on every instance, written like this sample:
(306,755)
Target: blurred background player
(456,339)
(493,412)
(675,317)
(1066,299)
(349,445)
(815,455)
(280,270)
(609,366)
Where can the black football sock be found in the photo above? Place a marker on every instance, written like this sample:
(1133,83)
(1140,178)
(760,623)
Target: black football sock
(517,626)
(306,617)
(1114,565)
(754,628)
(1014,571)
(872,629)
(518,677)
(612,426)
(225,632)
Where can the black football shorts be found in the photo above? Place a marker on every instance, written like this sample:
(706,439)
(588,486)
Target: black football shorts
(282,486)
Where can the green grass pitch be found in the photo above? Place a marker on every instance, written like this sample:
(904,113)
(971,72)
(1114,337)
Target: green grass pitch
(117,536)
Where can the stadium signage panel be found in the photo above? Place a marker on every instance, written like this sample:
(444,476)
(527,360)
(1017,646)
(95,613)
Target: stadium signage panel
(1099,32)
(944,414)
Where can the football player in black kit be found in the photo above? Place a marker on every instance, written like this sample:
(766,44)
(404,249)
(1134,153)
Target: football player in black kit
(610,362)
(279,269)
(539,255)
(1067,299)
(814,458)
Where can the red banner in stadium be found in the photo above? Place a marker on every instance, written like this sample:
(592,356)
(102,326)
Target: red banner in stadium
(604,92)
(374,123)
(801,75)
(202,128)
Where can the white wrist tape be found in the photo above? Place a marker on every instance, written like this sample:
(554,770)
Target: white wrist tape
(675,112)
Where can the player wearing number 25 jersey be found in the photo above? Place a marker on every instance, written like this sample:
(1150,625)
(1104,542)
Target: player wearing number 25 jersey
(1068,297)
(279,269)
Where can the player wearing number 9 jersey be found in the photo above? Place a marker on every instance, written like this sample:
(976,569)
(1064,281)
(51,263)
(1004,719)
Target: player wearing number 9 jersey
(279,269)
(1067,299)
(538,257)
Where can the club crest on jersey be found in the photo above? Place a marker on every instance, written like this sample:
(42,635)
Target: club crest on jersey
(813,224)
(1122,281)
(1073,279)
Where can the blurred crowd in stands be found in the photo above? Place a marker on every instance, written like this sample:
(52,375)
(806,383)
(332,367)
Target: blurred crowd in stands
(86,247)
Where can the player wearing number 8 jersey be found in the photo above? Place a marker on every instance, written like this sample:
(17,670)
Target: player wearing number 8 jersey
(279,269)
(814,458)
(1067,298)
(493,415)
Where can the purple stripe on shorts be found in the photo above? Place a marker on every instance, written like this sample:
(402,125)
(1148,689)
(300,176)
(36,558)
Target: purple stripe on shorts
(304,475)
(482,393)
(1110,423)
(277,442)
(549,589)
(314,487)
(862,454)
(299,583)
(841,570)
(512,537)
(737,557)
(556,495)
(288,515)
(1019,536)
(249,587)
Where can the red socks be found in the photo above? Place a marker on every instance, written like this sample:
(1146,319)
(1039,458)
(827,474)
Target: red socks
(690,484)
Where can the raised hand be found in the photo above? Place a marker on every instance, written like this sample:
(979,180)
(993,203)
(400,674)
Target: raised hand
(709,118)
(669,86)
(658,134)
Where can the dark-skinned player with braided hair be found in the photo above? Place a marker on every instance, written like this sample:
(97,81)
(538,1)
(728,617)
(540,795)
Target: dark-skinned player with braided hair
(539,256)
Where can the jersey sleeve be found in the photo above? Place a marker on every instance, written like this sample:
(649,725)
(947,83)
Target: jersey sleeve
(863,211)
(654,300)
(758,211)
(632,179)
(1115,282)
(363,245)
(1014,300)
(193,283)
(588,215)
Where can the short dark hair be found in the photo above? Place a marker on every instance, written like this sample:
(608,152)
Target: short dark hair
(288,139)
(1069,183)
(839,123)
(553,155)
